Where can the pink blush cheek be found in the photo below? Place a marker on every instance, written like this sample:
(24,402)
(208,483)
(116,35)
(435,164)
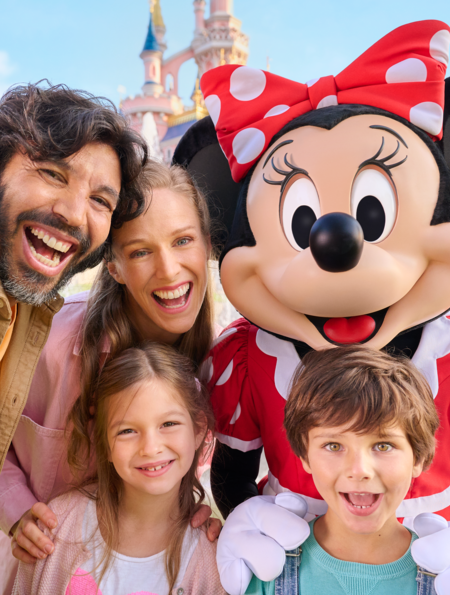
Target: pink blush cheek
(82,584)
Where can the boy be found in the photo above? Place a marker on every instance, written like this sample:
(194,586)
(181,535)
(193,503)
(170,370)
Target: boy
(363,424)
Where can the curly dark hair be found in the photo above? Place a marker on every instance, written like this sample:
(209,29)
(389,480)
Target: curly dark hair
(51,123)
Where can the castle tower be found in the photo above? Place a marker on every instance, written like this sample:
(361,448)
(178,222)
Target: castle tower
(152,57)
(159,114)
(218,40)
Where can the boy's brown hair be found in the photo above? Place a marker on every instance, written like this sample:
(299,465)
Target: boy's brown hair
(364,389)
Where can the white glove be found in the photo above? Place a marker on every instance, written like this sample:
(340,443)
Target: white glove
(255,537)
(432,549)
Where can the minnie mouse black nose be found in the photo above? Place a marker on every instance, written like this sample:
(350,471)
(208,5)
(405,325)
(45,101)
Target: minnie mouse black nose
(336,242)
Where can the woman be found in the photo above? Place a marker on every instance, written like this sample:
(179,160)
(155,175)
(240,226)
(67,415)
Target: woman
(153,286)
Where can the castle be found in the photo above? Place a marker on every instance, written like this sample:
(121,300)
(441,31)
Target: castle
(158,113)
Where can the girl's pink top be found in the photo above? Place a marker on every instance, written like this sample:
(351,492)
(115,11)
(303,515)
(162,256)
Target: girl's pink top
(52,575)
(36,469)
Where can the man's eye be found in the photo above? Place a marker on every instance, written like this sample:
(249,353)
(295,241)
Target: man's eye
(333,446)
(102,202)
(383,447)
(52,174)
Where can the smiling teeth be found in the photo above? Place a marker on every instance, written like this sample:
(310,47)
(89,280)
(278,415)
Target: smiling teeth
(154,468)
(44,259)
(50,241)
(171,295)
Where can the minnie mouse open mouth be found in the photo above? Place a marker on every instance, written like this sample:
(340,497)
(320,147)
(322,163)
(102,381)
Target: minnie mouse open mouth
(354,329)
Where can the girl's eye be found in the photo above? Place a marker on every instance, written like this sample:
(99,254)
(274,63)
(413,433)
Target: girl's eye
(383,447)
(169,424)
(333,446)
(126,431)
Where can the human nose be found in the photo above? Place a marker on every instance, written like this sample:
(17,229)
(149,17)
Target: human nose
(359,465)
(72,206)
(167,265)
(150,444)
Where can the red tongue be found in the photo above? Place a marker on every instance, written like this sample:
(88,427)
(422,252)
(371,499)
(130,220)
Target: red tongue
(349,330)
(362,499)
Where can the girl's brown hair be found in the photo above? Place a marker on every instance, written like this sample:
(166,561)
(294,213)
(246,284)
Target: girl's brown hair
(368,390)
(107,313)
(132,367)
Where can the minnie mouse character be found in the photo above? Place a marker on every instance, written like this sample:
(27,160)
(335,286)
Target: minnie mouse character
(341,234)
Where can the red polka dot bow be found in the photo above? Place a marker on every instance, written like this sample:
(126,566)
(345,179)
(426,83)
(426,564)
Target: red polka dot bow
(402,73)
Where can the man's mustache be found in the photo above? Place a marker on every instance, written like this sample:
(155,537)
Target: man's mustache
(36,216)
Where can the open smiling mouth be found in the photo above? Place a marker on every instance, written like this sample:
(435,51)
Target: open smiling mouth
(354,329)
(46,248)
(173,299)
(361,501)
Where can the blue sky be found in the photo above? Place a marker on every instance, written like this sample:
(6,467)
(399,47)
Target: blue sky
(95,44)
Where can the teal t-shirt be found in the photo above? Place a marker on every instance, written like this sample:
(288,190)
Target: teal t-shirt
(321,573)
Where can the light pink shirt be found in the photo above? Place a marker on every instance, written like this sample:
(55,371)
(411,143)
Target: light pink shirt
(36,468)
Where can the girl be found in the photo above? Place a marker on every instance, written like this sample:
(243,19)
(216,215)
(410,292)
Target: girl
(126,530)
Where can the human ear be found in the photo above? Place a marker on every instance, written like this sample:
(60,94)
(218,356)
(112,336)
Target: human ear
(114,272)
(417,469)
(306,466)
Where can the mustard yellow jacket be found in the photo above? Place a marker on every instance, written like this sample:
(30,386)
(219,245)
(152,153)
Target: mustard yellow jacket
(30,333)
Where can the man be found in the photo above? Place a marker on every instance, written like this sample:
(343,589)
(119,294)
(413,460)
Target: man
(69,168)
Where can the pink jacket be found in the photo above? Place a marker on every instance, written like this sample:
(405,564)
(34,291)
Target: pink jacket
(36,469)
(51,576)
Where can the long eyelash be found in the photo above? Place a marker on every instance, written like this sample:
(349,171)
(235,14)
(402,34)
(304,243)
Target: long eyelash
(383,162)
(287,174)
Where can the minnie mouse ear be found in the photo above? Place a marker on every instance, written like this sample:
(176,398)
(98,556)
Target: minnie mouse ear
(199,152)
(444,144)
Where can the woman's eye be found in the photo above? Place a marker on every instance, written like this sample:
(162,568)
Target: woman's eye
(374,204)
(139,253)
(300,209)
(383,447)
(183,242)
(333,446)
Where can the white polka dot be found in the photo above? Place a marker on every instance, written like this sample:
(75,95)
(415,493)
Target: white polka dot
(440,46)
(226,374)
(411,70)
(248,145)
(428,116)
(236,414)
(327,101)
(277,110)
(312,82)
(206,370)
(212,103)
(247,83)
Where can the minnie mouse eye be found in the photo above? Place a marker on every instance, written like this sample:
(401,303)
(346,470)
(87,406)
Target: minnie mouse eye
(374,204)
(300,209)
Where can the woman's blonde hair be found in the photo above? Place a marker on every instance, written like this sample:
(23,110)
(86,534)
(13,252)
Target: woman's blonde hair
(135,366)
(107,316)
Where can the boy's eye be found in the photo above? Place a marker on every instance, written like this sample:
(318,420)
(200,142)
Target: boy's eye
(383,447)
(333,446)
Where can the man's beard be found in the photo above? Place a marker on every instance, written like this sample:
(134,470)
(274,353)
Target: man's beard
(19,280)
